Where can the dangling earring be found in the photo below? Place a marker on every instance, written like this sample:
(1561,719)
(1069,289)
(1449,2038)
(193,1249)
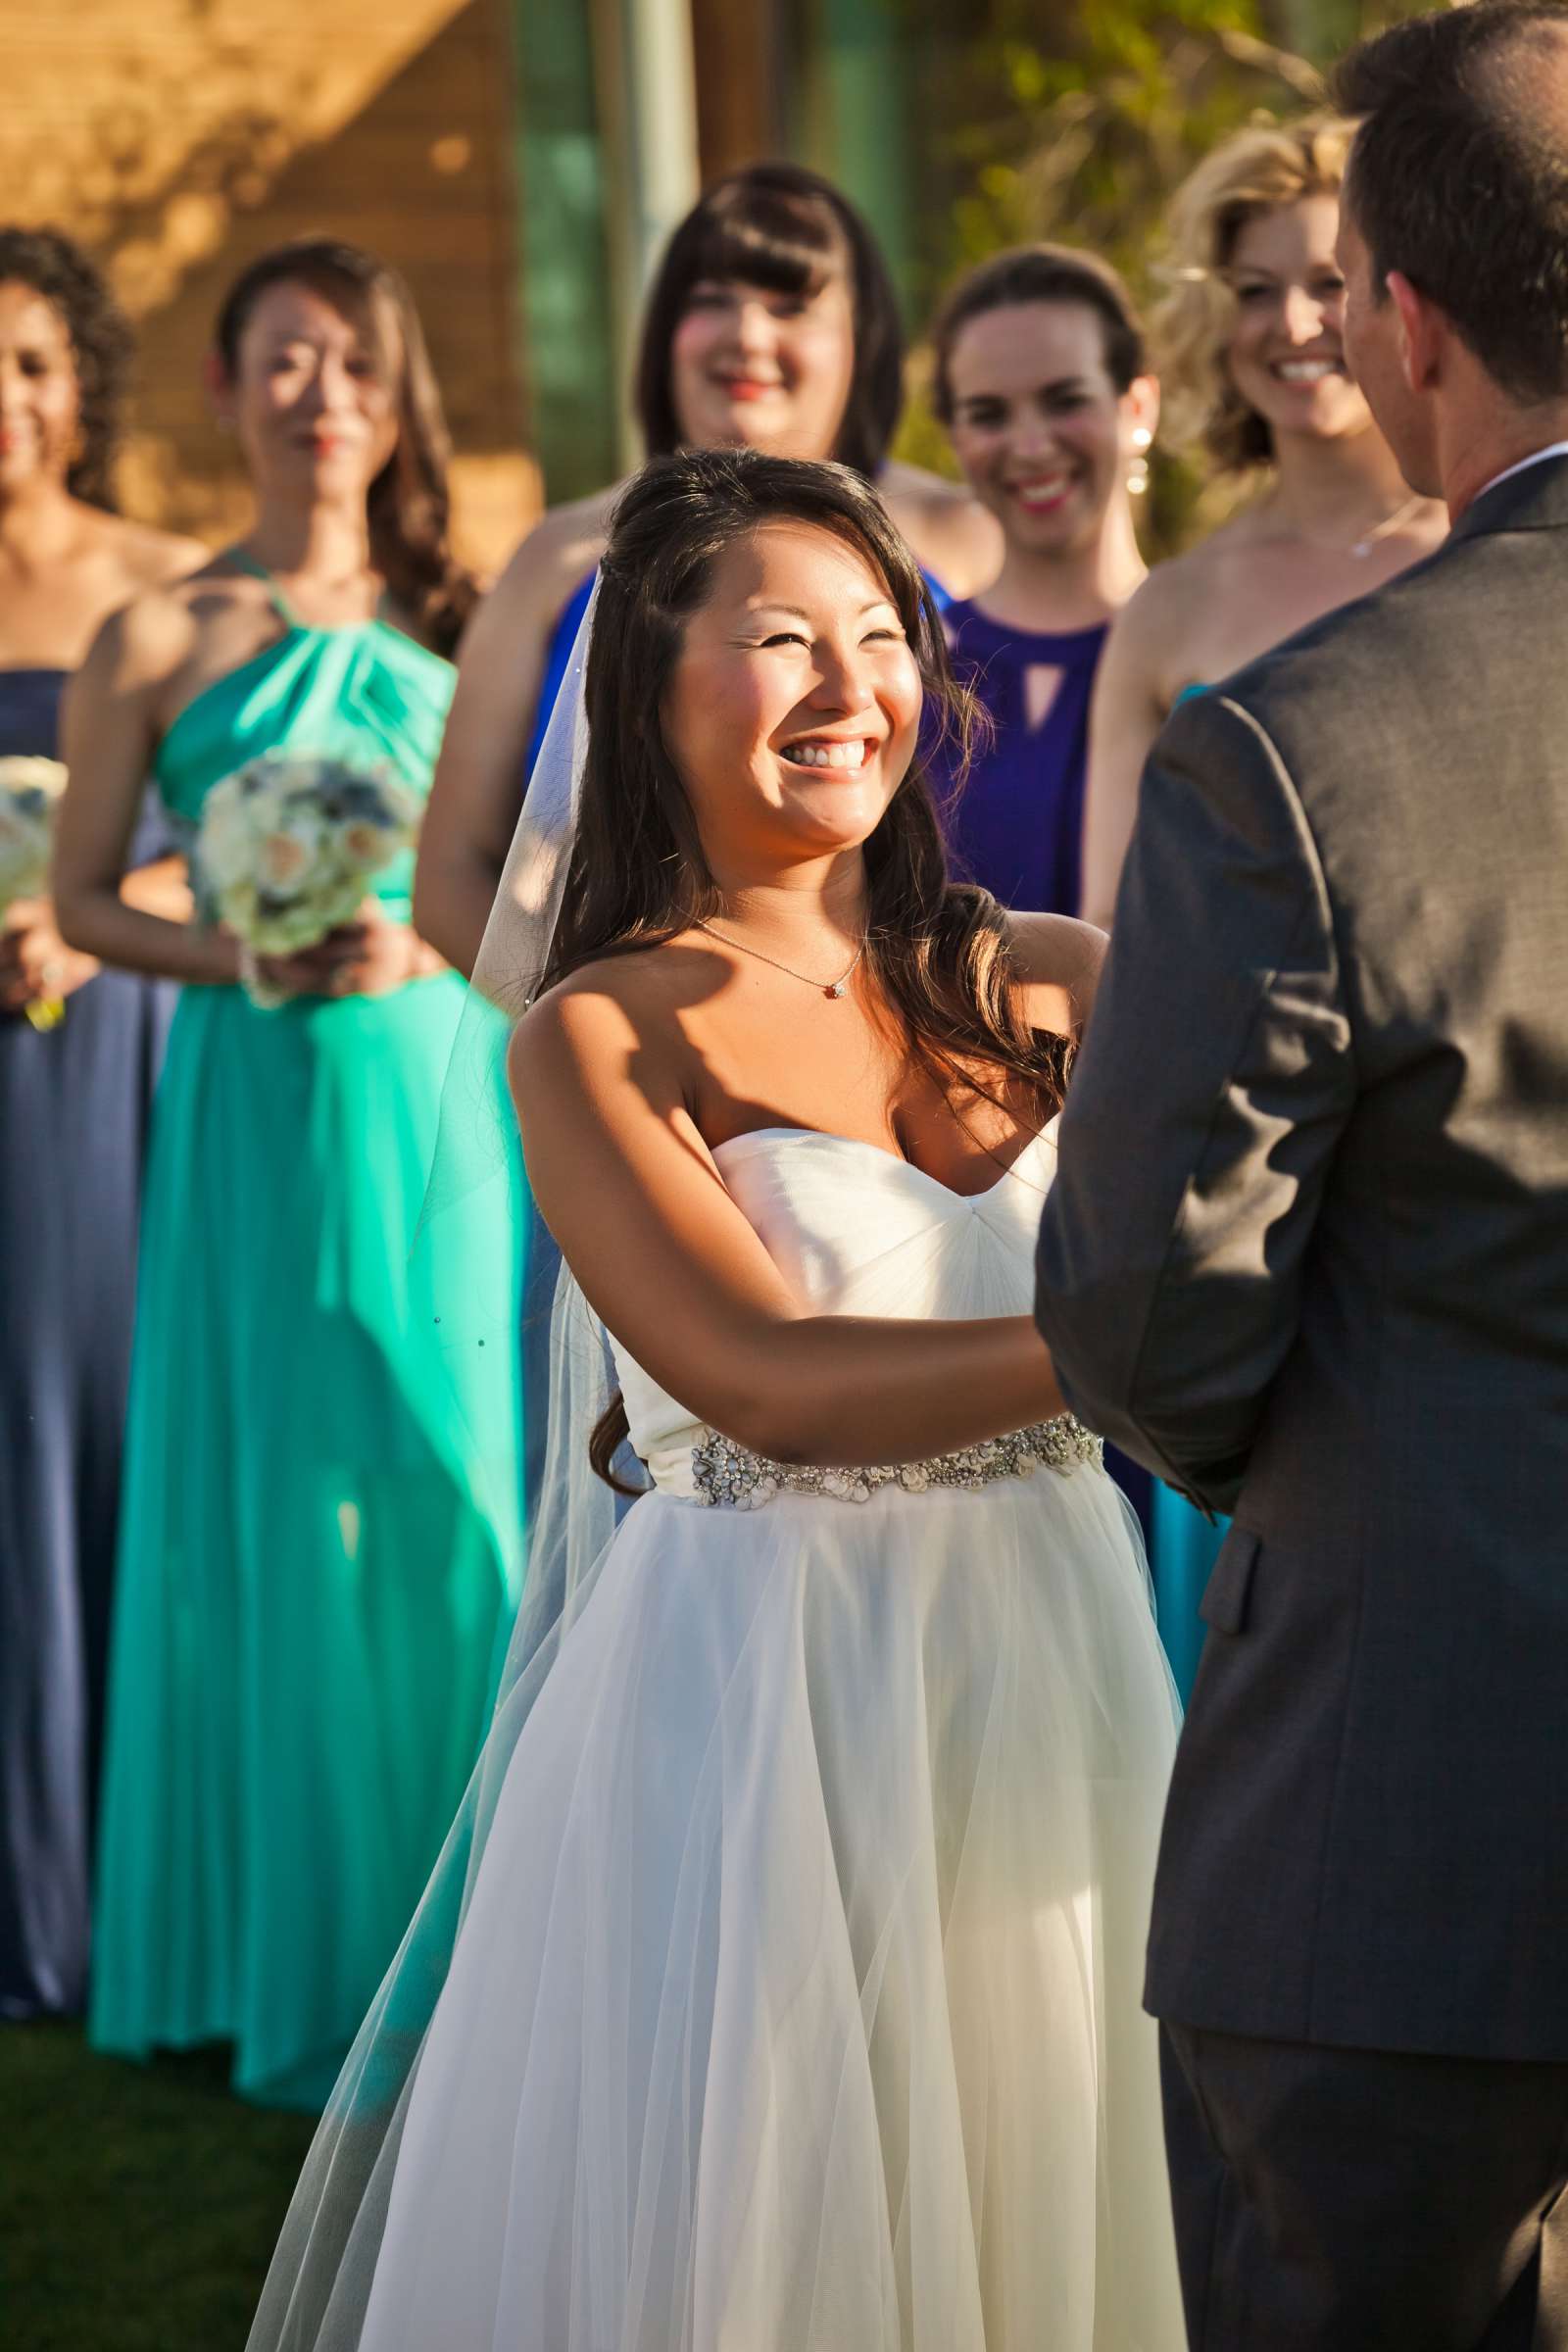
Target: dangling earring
(1138,469)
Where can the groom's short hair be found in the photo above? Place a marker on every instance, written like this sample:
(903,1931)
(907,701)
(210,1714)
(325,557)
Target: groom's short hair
(1458,177)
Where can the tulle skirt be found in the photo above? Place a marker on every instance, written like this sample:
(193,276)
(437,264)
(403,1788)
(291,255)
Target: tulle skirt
(795,2006)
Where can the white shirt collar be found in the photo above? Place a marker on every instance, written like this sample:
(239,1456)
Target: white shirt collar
(1536,456)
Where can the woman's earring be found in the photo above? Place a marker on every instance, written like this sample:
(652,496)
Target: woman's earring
(1138,469)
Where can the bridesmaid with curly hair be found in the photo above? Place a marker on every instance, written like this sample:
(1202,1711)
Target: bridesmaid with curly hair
(1251,350)
(1253,370)
(79,1050)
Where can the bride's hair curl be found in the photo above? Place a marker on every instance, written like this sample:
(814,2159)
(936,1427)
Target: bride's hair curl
(939,951)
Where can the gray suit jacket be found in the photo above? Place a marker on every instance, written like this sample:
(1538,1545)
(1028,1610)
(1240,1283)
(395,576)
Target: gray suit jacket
(1307,1257)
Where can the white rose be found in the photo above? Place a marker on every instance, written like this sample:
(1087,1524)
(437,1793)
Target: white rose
(365,848)
(226,844)
(21,774)
(282,861)
(236,906)
(26,835)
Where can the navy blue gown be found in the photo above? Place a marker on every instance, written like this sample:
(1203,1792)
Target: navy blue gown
(74,1103)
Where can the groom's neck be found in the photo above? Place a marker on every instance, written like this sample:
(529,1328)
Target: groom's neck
(1481,433)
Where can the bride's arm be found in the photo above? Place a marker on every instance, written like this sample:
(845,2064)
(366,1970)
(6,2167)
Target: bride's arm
(666,1257)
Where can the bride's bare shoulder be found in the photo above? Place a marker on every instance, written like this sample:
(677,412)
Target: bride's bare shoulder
(608,1020)
(1058,961)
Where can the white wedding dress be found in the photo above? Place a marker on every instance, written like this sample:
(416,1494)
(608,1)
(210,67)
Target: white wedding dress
(796,2005)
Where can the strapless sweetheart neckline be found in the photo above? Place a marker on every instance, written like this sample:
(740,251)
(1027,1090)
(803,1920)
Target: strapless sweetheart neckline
(893,1159)
(853,1230)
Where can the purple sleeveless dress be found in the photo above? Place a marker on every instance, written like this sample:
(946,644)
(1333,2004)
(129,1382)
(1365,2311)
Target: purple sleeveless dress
(1016,825)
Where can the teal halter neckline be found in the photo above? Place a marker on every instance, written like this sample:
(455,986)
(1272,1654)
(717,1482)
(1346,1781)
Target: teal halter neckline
(291,618)
(365,693)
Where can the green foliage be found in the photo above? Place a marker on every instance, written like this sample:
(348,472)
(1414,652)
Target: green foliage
(1095,139)
(1076,123)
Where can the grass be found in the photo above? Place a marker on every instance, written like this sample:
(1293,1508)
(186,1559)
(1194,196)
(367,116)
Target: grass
(138,2205)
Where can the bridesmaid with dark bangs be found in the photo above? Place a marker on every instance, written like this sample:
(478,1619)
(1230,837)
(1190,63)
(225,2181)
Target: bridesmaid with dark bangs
(772,324)
(79,1051)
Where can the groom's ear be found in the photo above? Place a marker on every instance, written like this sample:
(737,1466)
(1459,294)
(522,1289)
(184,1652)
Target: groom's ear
(1423,332)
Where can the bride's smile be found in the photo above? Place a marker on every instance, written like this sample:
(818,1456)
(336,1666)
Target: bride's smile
(793,706)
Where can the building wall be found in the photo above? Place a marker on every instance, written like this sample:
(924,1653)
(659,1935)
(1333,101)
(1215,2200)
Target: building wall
(177,138)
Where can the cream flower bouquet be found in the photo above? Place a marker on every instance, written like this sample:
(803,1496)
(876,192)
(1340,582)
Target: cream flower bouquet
(288,845)
(30,796)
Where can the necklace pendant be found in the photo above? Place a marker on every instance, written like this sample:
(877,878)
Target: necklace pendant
(835,988)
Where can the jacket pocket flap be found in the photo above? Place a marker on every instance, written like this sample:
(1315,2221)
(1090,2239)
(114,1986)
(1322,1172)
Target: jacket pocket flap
(1229,1588)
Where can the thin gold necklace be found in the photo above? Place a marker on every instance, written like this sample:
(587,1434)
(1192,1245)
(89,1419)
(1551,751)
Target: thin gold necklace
(1362,547)
(825,988)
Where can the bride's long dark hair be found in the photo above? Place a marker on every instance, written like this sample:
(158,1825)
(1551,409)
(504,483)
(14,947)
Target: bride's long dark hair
(938,951)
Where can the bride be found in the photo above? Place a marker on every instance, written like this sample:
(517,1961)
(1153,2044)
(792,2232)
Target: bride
(779,1990)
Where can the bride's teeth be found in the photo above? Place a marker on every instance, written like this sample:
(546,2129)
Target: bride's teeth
(828,755)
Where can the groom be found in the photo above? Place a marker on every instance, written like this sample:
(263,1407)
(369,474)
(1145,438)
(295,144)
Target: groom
(1307,1257)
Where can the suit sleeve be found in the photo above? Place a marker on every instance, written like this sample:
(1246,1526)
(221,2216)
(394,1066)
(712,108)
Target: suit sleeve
(1203,1113)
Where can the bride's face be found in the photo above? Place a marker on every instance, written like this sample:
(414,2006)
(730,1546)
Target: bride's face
(792,710)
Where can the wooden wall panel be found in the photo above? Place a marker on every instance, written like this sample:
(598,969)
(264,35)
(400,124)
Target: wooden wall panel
(179,137)
(742,83)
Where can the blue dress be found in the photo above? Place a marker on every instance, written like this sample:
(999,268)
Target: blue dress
(74,1108)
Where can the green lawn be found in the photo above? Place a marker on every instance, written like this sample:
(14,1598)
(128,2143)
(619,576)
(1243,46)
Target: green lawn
(138,2205)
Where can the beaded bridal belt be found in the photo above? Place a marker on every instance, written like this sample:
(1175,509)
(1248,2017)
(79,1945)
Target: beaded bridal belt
(738,1480)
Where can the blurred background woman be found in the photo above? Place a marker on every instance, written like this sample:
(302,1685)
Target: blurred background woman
(74,1096)
(1040,380)
(310,1586)
(1252,362)
(772,324)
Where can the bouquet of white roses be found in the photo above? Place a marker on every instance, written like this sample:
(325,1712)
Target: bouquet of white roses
(29,797)
(29,794)
(288,845)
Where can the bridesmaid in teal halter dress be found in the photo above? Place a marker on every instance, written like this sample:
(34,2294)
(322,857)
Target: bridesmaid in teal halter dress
(316,1563)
